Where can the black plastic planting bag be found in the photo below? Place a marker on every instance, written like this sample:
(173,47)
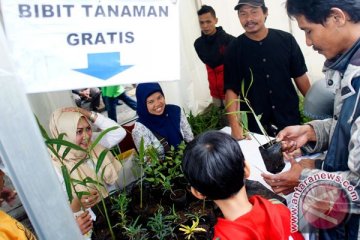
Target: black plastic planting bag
(272,156)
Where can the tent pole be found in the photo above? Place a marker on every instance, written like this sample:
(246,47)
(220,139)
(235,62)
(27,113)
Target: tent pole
(26,160)
(198,4)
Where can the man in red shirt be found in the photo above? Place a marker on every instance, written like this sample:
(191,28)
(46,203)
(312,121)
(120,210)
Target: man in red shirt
(210,47)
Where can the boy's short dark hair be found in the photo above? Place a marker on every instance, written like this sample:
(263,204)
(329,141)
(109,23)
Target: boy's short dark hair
(206,9)
(213,163)
(317,11)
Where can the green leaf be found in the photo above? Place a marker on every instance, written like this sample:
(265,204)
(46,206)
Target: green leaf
(64,143)
(82,193)
(244,120)
(86,181)
(251,81)
(65,153)
(76,181)
(150,179)
(103,173)
(42,129)
(141,153)
(78,164)
(101,135)
(52,149)
(101,160)
(243,88)
(67,181)
(60,137)
(257,119)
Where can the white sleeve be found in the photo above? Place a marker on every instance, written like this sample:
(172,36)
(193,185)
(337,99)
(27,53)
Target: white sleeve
(140,131)
(61,178)
(186,128)
(111,138)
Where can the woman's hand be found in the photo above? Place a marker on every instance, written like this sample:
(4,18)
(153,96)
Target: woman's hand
(83,111)
(84,222)
(91,200)
(89,115)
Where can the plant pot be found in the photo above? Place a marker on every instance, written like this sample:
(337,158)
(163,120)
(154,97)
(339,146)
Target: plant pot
(157,192)
(272,156)
(136,192)
(178,197)
(180,182)
(142,212)
(189,196)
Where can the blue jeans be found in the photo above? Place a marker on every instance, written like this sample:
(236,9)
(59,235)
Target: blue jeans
(128,101)
(111,103)
(110,106)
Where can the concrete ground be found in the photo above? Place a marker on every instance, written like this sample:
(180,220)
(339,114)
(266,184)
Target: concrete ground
(124,113)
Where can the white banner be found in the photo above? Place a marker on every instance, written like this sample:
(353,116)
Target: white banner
(71,44)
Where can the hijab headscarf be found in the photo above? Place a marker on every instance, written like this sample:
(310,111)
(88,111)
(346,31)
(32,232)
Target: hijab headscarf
(67,122)
(167,125)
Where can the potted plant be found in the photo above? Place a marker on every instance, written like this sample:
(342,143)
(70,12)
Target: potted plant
(176,182)
(135,231)
(162,226)
(212,118)
(191,231)
(271,151)
(121,208)
(139,190)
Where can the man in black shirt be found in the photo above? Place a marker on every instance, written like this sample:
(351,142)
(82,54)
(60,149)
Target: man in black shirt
(273,58)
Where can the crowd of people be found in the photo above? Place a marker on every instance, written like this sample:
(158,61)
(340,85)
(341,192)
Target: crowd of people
(269,64)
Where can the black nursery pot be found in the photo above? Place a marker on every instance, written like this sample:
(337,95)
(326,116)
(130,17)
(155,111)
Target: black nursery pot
(272,156)
(179,198)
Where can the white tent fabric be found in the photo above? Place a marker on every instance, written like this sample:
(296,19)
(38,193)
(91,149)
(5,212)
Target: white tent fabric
(278,19)
(191,91)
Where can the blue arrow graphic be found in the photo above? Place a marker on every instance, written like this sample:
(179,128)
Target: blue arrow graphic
(103,65)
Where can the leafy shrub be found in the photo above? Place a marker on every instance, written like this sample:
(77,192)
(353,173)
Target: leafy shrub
(212,118)
(303,118)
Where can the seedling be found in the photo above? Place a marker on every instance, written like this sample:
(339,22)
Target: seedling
(190,231)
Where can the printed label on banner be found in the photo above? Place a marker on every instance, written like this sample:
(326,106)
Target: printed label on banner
(70,44)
